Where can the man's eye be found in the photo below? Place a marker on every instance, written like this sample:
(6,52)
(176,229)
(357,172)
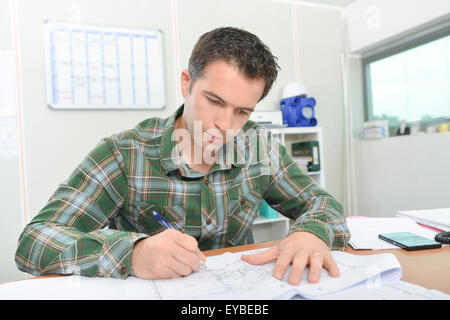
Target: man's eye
(213,101)
(242,112)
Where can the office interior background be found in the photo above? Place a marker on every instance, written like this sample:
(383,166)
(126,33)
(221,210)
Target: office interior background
(324,45)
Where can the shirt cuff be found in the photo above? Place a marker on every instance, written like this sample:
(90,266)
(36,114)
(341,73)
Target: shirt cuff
(317,228)
(115,256)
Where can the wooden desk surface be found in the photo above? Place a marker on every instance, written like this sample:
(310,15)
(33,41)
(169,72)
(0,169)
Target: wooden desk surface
(427,268)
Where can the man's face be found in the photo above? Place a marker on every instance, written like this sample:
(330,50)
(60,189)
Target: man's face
(219,103)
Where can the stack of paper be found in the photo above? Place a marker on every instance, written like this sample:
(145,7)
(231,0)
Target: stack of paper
(365,231)
(436,218)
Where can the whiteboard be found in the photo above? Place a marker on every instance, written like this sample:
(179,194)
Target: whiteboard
(99,67)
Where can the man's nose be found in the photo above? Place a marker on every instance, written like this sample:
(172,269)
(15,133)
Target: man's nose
(224,119)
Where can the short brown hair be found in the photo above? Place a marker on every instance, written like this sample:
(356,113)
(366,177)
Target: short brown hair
(238,47)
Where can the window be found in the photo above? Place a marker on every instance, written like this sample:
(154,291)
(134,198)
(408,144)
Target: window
(411,83)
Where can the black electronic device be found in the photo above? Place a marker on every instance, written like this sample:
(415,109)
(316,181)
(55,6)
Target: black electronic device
(409,241)
(443,237)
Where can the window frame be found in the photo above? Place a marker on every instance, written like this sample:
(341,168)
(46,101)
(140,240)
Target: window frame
(419,38)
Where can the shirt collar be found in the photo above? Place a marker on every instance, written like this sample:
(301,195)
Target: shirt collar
(171,158)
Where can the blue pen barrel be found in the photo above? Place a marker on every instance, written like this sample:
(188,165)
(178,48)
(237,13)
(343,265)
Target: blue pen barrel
(162,220)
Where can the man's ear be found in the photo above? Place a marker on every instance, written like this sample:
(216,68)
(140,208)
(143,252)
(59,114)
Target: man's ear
(185,82)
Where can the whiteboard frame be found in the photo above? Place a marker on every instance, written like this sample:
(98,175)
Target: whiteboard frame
(49,26)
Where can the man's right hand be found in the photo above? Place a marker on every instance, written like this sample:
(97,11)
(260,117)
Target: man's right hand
(169,254)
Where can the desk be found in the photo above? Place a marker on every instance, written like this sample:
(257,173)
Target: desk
(427,268)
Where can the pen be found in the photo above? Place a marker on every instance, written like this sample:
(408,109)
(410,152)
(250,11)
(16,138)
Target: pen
(167,225)
(162,221)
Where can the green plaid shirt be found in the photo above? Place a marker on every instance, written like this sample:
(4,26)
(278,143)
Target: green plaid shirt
(91,222)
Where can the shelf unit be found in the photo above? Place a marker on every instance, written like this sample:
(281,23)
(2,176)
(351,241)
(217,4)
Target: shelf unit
(276,229)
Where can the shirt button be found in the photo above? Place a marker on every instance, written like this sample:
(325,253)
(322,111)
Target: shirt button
(206,181)
(123,270)
(208,221)
(242,201)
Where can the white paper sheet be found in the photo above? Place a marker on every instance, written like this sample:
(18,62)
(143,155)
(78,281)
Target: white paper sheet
(438,218)
(78,288)
(365,231)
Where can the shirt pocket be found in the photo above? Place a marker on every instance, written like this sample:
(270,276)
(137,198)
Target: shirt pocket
(241,215)
(147,222)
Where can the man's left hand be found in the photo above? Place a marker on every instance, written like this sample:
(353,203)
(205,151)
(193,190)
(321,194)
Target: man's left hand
(299,249)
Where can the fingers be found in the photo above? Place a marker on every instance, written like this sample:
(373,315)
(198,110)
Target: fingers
(173,269)
(188,258)
(331,266)
(261,257)
(165,272)
(166,255)
(300,249)
(283,262)
(298,267)
(318,261)
(179,263)
(184,240)
(187,242)
(315,266)
(179,268)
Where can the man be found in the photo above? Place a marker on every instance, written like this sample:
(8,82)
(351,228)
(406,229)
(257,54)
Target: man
(100,221)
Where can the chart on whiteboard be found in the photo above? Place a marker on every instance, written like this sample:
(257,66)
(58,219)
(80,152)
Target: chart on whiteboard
(97,67)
